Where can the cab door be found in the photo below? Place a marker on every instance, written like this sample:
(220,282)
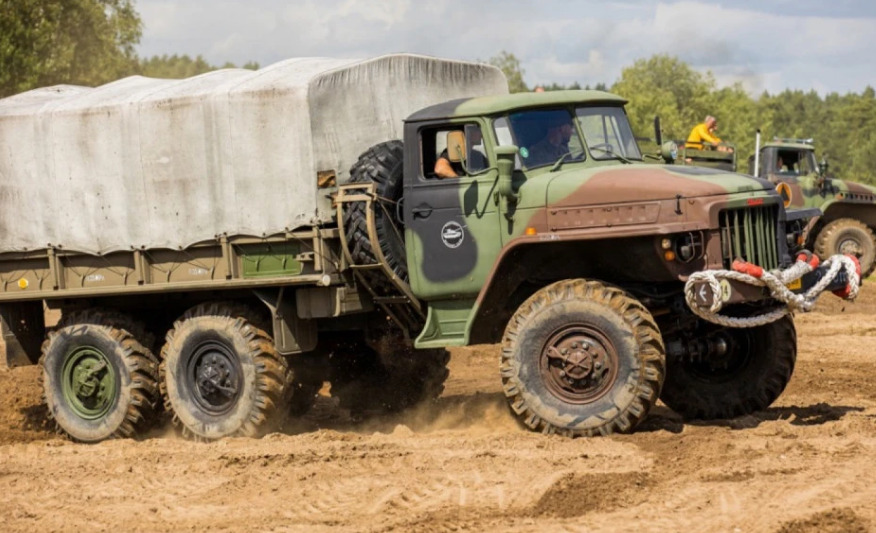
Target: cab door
(451,224)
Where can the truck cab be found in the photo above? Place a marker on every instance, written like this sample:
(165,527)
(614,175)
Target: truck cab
(562,242)
(581,200)
(793,161)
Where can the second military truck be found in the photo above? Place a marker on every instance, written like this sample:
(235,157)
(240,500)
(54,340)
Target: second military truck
(219,249)
(849,208)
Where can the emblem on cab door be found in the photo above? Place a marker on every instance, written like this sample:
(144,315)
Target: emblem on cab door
(452,234)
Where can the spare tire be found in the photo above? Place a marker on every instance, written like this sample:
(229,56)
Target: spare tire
(382,165)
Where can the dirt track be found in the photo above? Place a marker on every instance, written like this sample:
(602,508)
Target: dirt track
(806,464)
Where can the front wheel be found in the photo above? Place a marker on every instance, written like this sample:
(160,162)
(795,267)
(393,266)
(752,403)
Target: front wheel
(582,358)
(745,371)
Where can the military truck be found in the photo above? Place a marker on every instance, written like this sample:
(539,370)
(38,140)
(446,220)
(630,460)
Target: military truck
(849,208)
(218,252)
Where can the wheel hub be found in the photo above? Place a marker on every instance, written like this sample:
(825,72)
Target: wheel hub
(89,382)
(850,246)
(215,372)
(578,364)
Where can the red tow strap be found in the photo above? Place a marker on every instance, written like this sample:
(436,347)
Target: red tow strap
(844,293)
(747,268)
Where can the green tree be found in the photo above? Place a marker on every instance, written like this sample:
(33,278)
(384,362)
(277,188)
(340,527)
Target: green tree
(510,65)
(843,126)
(574,86)
(174,66)
(738,120)
(47,42)
(183,66)
(665,86)
(850,139)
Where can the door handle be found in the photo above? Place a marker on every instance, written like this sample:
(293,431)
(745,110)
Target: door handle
(422,211)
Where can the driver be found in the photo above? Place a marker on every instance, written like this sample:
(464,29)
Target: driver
(554,144)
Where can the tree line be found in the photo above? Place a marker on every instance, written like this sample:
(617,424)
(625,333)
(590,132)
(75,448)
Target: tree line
(91,42)
(841,126)
(80,42)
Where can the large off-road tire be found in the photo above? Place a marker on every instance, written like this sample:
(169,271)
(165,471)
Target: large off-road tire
(748,377)
(120,320)
(848,236)
(582,358)
(381,165)
(99,380)
(221,375)
(368,383)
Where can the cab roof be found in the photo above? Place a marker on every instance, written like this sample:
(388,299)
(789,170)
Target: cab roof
(788,144)
(494,105)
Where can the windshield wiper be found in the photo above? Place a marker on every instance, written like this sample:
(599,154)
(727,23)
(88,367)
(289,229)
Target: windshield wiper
(612,154)
(559,162)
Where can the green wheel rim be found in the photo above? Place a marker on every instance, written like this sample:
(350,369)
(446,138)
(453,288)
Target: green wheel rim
(88,381)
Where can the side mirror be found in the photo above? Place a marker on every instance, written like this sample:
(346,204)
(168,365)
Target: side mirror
(669,151)
(658,131)
(823,166)
(505,156)
(456,146)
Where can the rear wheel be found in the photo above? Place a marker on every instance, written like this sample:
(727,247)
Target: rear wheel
(582,358)
(742,372)
(99,380)
(848,236)
(221,375)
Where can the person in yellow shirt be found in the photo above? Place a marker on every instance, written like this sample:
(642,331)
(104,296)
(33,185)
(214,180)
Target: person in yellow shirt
(705,132)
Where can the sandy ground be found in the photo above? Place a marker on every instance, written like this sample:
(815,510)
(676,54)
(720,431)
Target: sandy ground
(806,464)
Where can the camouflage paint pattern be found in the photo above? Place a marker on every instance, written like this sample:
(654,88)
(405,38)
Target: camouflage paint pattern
(459,231)
(811,189)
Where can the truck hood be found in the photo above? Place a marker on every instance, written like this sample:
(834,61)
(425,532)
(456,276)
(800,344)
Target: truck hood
(636,183)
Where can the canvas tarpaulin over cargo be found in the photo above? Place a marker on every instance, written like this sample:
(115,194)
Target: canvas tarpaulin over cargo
(154,163)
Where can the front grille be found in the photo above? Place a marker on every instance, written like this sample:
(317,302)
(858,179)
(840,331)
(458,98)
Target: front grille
(750,234)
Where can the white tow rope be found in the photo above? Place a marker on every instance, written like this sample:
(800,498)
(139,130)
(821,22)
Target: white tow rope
(777,282)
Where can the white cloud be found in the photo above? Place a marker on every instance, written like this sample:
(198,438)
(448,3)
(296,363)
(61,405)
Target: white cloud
(388,12)
(764,45)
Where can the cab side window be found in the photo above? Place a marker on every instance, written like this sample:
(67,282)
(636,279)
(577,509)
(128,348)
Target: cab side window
(452,151)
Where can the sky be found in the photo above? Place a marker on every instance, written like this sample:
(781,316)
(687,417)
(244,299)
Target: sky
(772,45)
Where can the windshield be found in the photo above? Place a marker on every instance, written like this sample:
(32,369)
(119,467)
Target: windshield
(795,162)
(607,132)
(545,136)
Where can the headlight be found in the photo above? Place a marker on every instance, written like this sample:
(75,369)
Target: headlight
(689,246)
(684,247)
(669,151)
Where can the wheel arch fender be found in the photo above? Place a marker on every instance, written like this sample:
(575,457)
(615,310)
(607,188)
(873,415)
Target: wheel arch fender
(528,264)
(866,213)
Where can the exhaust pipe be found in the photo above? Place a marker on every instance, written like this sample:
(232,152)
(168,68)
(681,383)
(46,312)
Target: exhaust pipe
(757,154)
